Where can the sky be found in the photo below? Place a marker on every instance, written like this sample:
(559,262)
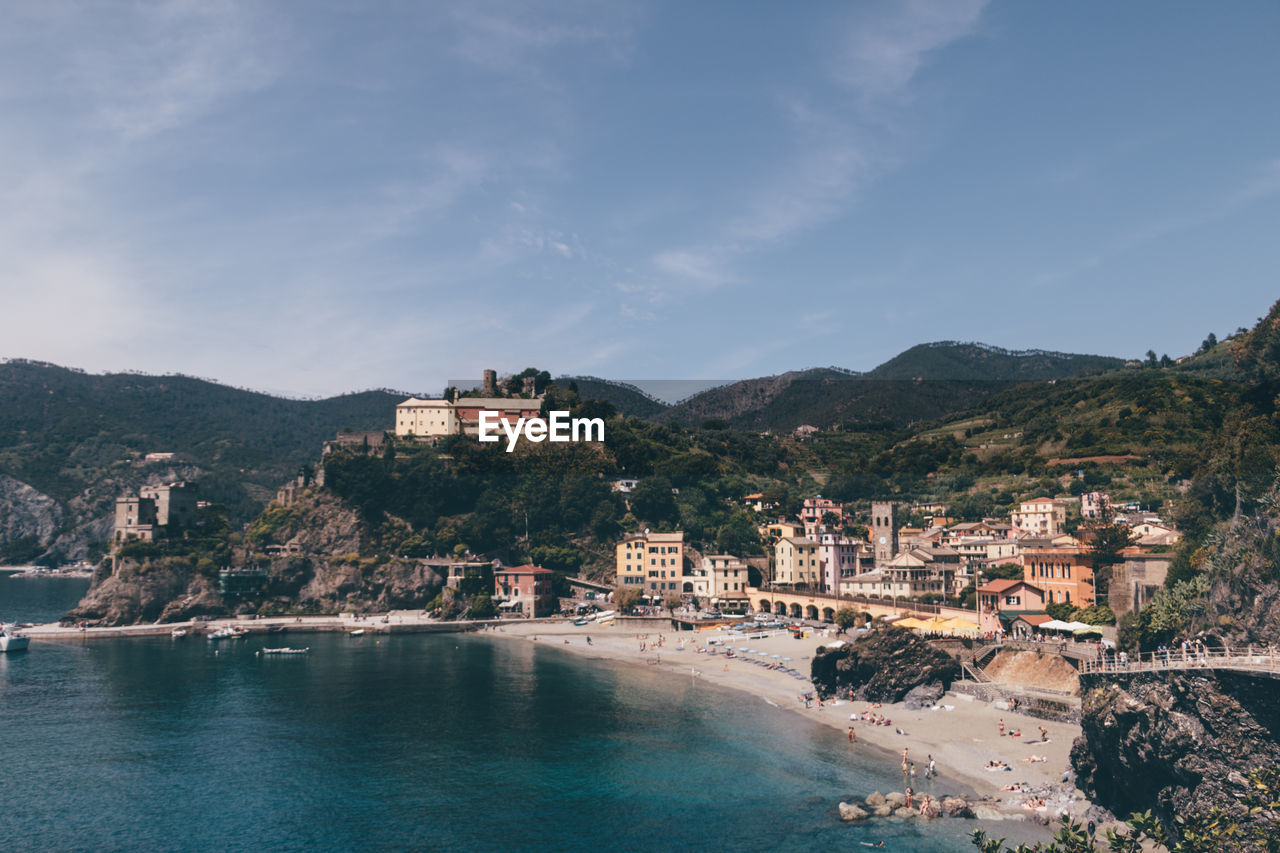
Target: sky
(311,198)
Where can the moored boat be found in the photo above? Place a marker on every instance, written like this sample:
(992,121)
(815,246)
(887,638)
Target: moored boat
(11,640)
(178,633)
(286,651)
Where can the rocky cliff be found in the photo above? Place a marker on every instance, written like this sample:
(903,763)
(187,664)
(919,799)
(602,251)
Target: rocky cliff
(318,556)
(883,666)
(1176,743)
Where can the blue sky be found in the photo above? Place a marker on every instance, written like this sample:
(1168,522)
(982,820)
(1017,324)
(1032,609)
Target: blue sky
(317,197)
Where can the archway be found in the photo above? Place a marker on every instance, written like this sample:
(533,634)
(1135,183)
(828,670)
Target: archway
(765,606)
(811,612)
(796,612)
(828,614)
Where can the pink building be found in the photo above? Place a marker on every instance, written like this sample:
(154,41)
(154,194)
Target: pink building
(525,590)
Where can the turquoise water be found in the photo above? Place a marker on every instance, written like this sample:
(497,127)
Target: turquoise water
(419,742)
(38,599)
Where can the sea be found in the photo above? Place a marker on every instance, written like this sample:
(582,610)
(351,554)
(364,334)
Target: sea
(410,742)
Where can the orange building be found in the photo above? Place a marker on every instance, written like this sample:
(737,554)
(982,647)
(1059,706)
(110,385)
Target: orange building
(1062,572)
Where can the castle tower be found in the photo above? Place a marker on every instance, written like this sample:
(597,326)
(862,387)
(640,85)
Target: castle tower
(490,383)
(884,531)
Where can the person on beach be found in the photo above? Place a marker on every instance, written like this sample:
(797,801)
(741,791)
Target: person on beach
(932,772)
(852,737)
(911,798)
(1044,734)
(1002,727)
(912,772)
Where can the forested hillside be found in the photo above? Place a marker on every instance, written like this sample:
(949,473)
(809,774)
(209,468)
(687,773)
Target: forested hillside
(81,439)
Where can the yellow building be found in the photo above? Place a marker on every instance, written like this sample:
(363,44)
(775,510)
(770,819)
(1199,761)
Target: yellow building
(1040,517)
(796,562)
(651,562)
(776,530)
(430,418)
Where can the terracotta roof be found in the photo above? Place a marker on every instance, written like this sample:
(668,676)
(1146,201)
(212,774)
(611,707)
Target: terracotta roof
(528,569)
(1001,584)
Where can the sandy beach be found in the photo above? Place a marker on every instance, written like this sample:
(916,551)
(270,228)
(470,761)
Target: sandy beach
(962,735)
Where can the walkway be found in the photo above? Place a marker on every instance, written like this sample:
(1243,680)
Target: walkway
(1251,659)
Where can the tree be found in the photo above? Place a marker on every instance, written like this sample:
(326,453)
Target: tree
(625,598)
(651,500)
(1151,358)
(482,606)
(1060,610)
(671,601)
(846,618)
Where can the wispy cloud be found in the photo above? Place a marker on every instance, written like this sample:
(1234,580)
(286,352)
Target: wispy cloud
(835,152)
(162,65)
(885,48)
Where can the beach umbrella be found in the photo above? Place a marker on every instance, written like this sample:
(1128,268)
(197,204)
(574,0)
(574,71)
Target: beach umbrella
(1087,629)
(909,622)
(1056,625)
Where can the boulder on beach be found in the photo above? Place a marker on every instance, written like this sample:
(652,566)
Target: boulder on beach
(883,811)
(895,800)
(882,666)
(848,811)
(924,696)
(904,812)
(875,800)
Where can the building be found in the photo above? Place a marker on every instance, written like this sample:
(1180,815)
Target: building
(1002,600)
(1094,504)
(922,571)
(815,510)
(651,562)
(506,409)
(156,512)
(776,530)
(720,579)
(1040,516)
(1062,573)
(838,557)
(426,418)
(795,562)
(1134,581)
(525,590)
(884,531)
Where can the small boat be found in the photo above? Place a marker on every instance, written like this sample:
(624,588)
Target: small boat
(11,640)
(286,651)
(224,633)
(359,632)
(277,629)
(178,633)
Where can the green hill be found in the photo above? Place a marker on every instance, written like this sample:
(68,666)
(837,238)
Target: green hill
(82,438)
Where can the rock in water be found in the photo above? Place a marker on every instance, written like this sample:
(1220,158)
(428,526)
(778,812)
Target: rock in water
(875,800)
(895,800)
(848,811)
(904,812)
(956,807)
(883,666)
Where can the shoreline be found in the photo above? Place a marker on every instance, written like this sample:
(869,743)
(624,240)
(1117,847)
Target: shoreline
(960,740)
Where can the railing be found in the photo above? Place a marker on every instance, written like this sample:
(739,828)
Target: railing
(1251,658)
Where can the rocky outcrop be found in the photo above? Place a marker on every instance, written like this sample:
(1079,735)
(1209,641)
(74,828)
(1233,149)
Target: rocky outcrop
(26,513)
(321,561)
(1176,743)
(147,590)
(883,666)
(850,812)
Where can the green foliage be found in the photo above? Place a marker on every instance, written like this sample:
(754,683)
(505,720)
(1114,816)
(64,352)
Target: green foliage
(482,607)
(847,617)
(1061,610)
(626,598)
(1215,831)
(1097,614)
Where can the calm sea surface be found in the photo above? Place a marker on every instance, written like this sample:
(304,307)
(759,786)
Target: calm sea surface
(415,742)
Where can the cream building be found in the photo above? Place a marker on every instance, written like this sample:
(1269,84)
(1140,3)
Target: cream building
(651,562)
(795,562)
(1040,517)
(429,418)
(717,577)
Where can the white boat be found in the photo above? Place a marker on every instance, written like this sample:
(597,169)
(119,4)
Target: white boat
(12,641)
(286,651)
(359,632)
(178,633)
(223,633)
